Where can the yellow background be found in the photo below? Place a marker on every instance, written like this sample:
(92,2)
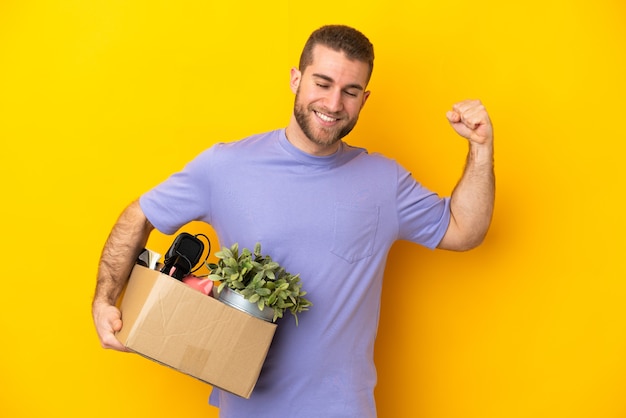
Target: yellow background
(100,100)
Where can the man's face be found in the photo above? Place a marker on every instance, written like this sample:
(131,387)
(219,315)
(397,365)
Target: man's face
(329,96)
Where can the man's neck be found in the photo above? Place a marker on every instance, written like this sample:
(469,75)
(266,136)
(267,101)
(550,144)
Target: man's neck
(298,139)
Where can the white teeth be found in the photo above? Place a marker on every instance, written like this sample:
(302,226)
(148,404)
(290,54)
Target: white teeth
(324,117)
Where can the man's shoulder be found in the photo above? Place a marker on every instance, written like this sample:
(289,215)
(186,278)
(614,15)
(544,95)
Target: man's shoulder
(251,140)
(239,148)
(372,159)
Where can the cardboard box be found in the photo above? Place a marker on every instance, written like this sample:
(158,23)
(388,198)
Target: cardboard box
(169,322)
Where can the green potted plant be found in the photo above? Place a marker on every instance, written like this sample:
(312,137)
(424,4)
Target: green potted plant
(253,282)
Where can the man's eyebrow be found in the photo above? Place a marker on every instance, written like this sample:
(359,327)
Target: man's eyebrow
(330,80)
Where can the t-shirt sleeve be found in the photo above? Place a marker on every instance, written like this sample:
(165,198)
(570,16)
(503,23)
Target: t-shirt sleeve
(184,197)
(423,216)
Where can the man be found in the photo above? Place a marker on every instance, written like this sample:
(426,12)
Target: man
(321,208)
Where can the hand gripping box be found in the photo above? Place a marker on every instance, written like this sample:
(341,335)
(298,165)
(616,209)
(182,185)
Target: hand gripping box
(169,322)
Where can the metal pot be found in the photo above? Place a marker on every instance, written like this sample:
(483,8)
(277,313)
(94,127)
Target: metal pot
(237,301)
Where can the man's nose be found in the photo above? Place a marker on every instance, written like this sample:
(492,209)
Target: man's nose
(333,101)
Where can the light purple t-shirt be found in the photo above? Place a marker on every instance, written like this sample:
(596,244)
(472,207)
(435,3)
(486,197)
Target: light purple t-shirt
(333,220)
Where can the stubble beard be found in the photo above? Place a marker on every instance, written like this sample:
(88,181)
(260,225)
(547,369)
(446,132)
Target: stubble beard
(324,136)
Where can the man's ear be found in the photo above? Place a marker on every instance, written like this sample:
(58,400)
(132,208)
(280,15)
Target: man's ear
(366,95)
(295,78)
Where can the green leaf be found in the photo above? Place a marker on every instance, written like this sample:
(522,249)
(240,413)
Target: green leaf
(221,287)
(263,291)
(258,277)
(272,299)
(225,253)
(270,266)
(254,298)
(278,313)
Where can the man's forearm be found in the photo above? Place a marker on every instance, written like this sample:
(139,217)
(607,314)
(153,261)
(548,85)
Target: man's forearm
(472,200)
(126,240)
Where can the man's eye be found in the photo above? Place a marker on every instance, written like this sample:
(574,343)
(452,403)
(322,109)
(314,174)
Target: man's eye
(323,86)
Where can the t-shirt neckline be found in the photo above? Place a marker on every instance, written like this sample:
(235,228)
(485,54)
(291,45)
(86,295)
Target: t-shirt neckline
(327,160)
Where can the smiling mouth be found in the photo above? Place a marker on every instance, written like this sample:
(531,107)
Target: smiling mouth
(325,118)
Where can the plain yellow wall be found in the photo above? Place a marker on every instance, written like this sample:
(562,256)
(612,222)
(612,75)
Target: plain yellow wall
(100,100)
